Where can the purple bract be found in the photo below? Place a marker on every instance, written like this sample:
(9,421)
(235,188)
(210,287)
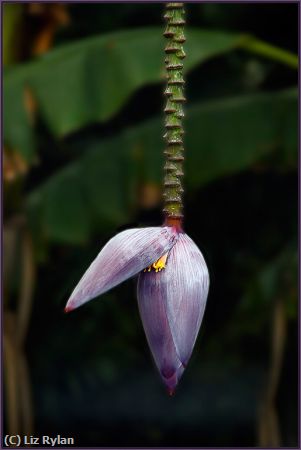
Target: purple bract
(173,287)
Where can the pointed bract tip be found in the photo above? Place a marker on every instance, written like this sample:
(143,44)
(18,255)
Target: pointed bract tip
(171,392)
(171,378)
(67,309)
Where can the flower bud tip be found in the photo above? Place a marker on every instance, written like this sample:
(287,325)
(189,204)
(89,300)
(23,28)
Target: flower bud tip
(67,309)
(171,392)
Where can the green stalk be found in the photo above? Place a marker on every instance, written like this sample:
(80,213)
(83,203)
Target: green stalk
(12,32)
(173,190)
(267,50)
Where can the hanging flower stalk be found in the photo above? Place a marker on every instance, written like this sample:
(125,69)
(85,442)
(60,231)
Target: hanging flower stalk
(173,279)
(174,112)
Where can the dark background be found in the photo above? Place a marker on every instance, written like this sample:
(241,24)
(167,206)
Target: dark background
(90,373)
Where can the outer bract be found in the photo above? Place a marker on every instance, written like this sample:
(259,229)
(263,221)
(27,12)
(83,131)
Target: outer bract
(172,304)
(124,256)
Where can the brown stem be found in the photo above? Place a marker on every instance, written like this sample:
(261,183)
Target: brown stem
(11,377)
(26,288)
(268,428)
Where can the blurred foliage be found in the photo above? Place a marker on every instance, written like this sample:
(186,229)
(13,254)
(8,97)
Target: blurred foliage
(83,142)
(90,81)
(72,200)
(276,279)
(12,20)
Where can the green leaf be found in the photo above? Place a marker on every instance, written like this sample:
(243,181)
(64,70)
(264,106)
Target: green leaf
(103,173)
(62,207)
(262,123)
(102,180)
(89,81)
(18,131)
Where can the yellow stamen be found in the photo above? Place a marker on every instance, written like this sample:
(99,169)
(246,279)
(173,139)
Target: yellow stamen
(158,265)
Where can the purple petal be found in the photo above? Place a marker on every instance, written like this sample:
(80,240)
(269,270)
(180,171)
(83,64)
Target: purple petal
(172,304)
(125,255)
(186,285)
(154,318)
